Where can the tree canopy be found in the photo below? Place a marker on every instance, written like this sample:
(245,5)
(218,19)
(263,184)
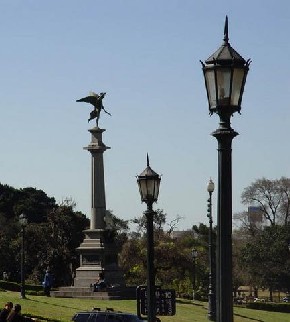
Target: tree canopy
(260,253)
(261,250)
(273,198)
(51,236)
(266,257)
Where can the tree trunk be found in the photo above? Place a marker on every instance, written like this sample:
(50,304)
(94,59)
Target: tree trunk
(271,294)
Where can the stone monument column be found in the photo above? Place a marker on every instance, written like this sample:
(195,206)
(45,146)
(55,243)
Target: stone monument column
(93,249)
(98,197)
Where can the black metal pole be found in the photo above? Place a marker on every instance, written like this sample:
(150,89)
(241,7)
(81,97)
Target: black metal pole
(211,291)
(150,265)
(22,265)
(224,303)
(193,279)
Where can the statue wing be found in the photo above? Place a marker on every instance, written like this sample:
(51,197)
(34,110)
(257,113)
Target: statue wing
(94,99)
(89,99)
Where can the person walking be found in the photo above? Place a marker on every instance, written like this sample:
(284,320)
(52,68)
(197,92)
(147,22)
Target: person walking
(5,312)
(47,282)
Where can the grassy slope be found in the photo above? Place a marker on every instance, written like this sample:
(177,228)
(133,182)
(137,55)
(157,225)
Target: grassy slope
(62,309)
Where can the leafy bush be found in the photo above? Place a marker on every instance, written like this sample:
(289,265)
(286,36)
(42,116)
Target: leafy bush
(274,307)
(9,286)
(14,287)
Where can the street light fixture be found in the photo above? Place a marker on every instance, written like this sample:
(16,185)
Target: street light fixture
(225,74)
(211,286)
(149,182)
(194,257)
(23,223)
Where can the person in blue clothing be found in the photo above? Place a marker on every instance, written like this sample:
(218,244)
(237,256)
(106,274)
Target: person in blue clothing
(100,284)
(47,282)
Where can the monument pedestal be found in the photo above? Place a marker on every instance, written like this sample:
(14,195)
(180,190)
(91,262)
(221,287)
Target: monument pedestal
(97,256)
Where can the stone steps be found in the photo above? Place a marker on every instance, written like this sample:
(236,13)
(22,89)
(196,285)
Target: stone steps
(86,292)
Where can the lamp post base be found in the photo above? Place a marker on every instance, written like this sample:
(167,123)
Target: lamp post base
(22,295)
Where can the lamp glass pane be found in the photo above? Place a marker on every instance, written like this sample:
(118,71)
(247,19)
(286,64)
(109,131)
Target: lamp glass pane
(142,188)
(147,188)
(156,189)
(223,85)
(150,188)
(210,86)
(238,77)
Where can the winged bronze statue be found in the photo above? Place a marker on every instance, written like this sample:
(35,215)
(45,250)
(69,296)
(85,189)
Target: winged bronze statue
(97,101)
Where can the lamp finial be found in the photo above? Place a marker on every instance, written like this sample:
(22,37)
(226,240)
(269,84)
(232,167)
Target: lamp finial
(147,160)
(226,31)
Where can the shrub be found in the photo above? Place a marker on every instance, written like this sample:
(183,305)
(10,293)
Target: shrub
(274,307)
(9,286)
(14,287)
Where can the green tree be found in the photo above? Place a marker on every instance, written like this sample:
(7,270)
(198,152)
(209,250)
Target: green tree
(51,237)
(266,258)
(173,256)
(240,275)
(116,231)
(9,196)
(132,260)
(33,202)
(64,230)
(159,220)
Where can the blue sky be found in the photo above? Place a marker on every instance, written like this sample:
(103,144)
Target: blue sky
(145,55)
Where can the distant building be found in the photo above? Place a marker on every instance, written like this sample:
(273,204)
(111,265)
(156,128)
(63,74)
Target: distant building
(175,234)
(255,215)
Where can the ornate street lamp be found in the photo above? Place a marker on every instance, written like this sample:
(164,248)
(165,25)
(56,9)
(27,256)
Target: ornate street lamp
(149,182)
(194,254)
(211,293)
(23,223)
(225,75)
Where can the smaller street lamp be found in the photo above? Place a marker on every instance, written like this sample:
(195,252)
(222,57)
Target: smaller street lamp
(194,254)
(149,182)
(211,288)
(23,223)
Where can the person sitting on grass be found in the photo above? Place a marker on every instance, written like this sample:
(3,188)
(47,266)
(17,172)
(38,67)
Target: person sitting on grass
(5,312)
(15,315)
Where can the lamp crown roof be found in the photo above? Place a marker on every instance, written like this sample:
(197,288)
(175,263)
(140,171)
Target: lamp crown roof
(226,54)
(148,172)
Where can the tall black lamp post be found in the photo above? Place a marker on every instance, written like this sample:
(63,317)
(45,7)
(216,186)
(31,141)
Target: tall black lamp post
(194,257)
(149,182)
(211,288)
(225,74)
(23,223)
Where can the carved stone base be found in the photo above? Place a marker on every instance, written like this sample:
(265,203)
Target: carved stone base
(97,256)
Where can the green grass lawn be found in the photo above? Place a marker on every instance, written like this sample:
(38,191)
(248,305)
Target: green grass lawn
(62,309)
